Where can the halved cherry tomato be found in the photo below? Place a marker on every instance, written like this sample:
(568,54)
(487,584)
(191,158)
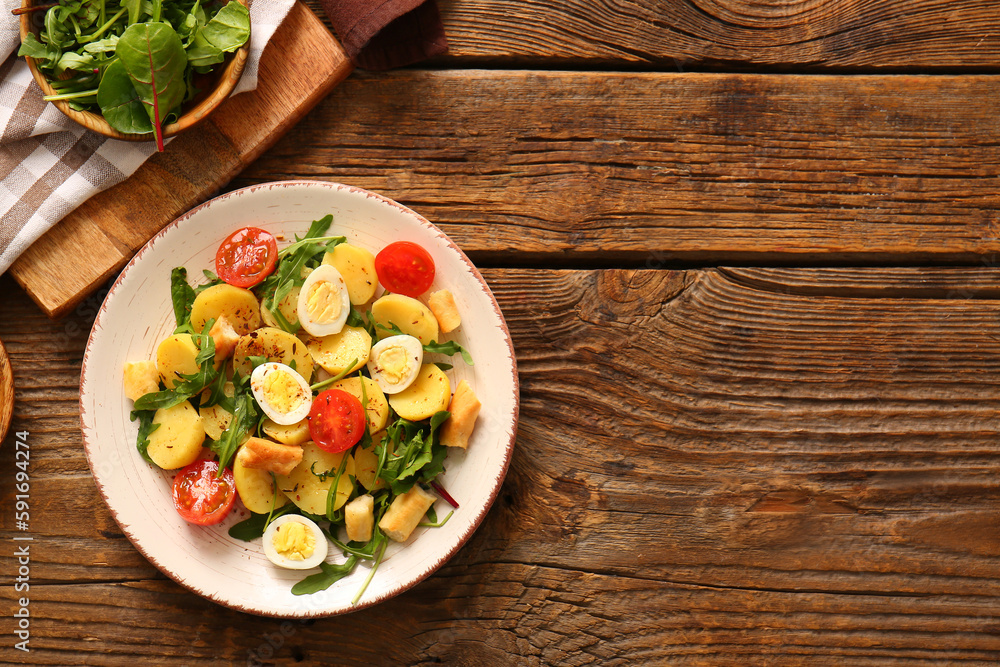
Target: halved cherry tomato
(336,420)
(200,496)
(246,257)
(405,268)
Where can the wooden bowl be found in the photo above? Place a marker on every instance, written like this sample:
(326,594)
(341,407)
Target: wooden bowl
(194,112)
(6,392)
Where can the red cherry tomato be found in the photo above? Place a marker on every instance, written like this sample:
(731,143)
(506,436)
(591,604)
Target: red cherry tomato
(336,420)
(405,268)
(246,257)
(200,496)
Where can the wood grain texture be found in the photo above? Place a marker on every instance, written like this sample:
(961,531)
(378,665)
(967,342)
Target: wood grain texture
(698,34)
(300,65)
(655,170)
(713,466)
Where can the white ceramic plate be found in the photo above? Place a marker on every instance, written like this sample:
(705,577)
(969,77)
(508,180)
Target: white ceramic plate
(137,314)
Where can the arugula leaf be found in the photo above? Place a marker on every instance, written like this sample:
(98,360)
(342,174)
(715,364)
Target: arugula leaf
(206,345)
(189,385)
(321,581)
(182,295)
(242,426)
(432,521)
(449,347)
(146,426)
(217,395)
(409,453)
(323,384)
(252,528)
(33,48)
(292,260)
(213,280)
(331,495)
(380,542)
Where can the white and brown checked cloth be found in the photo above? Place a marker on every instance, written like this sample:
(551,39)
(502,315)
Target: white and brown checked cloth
(49,165)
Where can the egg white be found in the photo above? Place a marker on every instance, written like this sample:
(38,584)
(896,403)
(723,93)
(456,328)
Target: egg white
(321,545)
(259,388)
(328,275)
(415,356)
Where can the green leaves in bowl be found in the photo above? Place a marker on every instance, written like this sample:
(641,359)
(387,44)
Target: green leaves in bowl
(134,62)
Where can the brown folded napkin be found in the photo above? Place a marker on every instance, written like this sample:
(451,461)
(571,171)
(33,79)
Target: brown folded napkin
(382,34)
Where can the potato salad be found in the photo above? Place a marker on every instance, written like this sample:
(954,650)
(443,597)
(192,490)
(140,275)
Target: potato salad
(298,383)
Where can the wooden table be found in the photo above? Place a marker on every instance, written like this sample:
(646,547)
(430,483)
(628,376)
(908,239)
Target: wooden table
(748,255)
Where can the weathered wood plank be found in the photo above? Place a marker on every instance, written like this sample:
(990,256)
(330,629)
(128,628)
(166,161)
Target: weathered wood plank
(512,613)
(716,34)
(654,170)
(801,34)
(713,466)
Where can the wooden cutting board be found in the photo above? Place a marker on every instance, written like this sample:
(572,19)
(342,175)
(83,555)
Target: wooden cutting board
(300,65)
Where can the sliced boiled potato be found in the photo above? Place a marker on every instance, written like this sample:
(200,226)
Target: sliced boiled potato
(304,485)
(366,464)
(409,315)
(141,378)
(357,266)
(292,434)
(216,418)
(238,305)
(256,488)
(178,439)
(275,345)
(175,356)
(429,393)
(288,307)
(377,408)
(336,352)
(442,304)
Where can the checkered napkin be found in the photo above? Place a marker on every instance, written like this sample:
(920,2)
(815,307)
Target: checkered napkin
(49,165)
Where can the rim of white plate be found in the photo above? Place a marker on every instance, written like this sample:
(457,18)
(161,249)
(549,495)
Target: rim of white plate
(89,409)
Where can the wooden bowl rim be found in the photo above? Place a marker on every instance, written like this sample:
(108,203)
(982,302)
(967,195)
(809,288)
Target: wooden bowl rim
(6,392)
(96,122)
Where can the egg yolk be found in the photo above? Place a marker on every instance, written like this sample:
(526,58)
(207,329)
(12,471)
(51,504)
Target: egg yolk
(282,392)
(323,303)
(294,541)
(394,362)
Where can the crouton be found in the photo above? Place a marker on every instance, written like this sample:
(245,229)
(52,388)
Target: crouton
(464,409)
(262,454)
(405,513)
(141,378)
(225,337)
(359,517)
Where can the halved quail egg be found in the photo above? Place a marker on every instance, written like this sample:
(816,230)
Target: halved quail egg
(324,302)
(295,542)
(395,361)
(283,394)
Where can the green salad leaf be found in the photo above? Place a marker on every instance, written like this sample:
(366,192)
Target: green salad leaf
(155,60)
